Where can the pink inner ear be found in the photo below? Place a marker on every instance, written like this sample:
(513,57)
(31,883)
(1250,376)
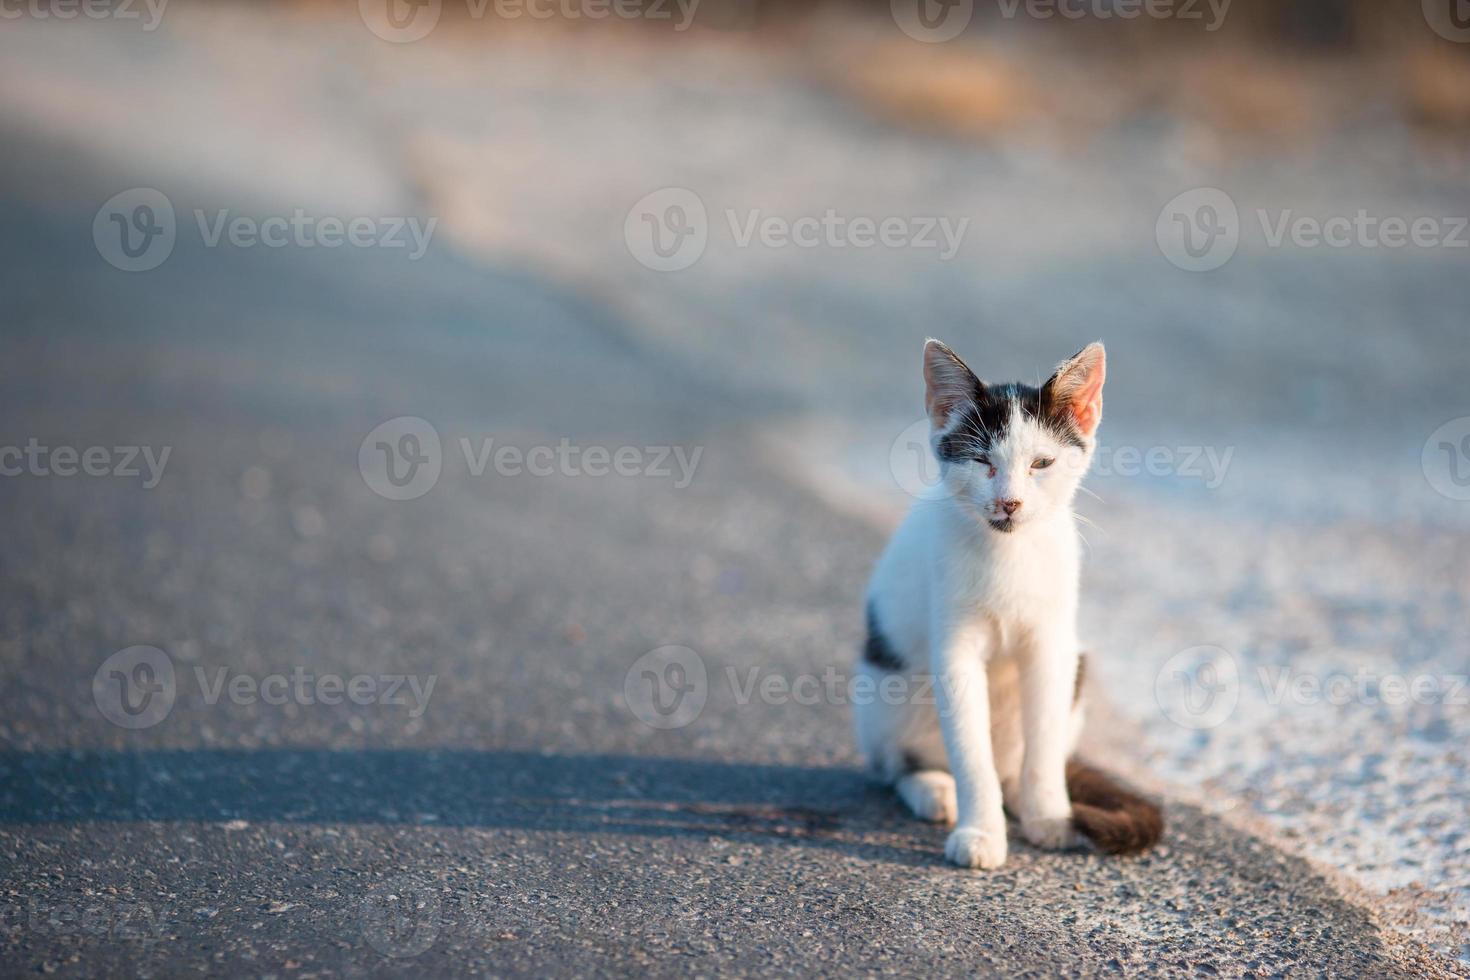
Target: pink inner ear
(1087,402)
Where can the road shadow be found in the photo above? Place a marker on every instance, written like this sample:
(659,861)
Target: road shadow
(830,808)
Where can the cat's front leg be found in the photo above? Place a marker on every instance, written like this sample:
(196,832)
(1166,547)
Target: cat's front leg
(1048,672)
(979,837)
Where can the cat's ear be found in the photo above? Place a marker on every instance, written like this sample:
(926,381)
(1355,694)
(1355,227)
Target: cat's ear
(1075,390)
(949,385)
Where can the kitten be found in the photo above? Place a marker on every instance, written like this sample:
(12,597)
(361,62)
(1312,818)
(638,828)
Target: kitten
(975,598)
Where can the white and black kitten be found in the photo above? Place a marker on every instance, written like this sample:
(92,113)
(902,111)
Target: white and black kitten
(977,591)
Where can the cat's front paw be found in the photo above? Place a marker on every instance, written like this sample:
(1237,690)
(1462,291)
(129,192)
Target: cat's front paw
(1051,833)
(970,847)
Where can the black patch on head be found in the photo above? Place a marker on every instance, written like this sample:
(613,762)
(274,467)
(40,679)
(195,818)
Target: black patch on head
(989,416)
(878,651)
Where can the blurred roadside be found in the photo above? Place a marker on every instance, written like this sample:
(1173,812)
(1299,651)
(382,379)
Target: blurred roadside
(1242,76)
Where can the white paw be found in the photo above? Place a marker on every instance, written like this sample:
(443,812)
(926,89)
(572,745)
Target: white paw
(1052,833)
(970,847)
(930,795)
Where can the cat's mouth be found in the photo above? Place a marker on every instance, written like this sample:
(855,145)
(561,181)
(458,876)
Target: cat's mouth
(1006,524)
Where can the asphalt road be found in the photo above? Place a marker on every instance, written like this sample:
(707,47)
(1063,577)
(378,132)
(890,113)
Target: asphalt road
(526,822)
(417,736)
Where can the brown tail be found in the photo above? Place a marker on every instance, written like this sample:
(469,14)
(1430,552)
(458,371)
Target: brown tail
(1115,820)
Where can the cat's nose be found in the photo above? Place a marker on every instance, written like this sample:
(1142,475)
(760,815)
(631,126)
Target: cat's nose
(1009,506)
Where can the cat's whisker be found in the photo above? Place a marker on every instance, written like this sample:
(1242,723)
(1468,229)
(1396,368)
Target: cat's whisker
(1082,520)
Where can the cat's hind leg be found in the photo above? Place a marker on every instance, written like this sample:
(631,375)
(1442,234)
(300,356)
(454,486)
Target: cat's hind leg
(930,794)
(898,733)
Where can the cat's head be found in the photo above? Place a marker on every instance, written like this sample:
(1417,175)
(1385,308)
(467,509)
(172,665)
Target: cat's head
(1011,454)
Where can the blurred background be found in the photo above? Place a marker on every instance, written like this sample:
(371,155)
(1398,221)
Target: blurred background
(330,257)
